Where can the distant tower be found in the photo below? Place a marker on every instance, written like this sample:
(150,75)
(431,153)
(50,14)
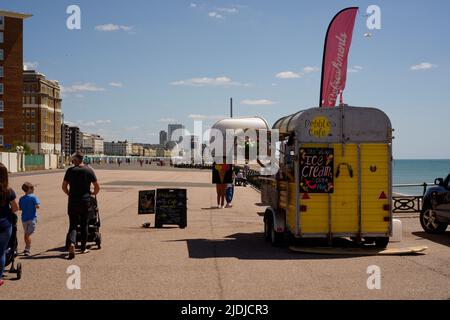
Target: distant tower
(162,138)
(171,129)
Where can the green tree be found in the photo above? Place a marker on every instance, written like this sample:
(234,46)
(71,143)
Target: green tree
(26,148)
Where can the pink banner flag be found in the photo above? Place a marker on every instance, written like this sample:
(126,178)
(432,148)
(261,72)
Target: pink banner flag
(335,55)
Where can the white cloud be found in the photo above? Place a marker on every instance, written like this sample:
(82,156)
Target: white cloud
(30,65)
(228,10)
(295,75)
(287,75)
(112,27)
(355,69)
(210,82)
(102,121)
(309,69)
(116,84)
(193,5)
(153,134)
(70,123)
(216,15)
(81,87)
(205,117)
(92,123)
(423,66)
(167,120)
(132,128)
(258,102)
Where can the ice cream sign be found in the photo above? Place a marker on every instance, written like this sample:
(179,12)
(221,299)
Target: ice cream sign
(319,126)
(316,170)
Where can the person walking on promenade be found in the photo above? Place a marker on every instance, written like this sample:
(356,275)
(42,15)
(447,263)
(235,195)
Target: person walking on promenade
(29,204)
(230,191)
(77,185)
(8,209)
(221,176)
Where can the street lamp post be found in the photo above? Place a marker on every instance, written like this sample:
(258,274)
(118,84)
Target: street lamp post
(20,153)
(63,138)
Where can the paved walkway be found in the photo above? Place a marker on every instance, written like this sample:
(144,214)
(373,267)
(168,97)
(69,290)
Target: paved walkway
(220,255)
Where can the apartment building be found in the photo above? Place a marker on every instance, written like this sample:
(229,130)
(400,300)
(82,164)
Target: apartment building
(11,78)
(41,113)
(76,140)
(92,144)
(119,148)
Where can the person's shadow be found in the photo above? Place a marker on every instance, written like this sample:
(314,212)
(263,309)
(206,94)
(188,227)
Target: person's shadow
(59,253)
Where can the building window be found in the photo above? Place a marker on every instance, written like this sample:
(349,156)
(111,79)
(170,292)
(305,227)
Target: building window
(32,113)
(1,88)
(1,140)
(28,113)
(33,138)
(33,100)
(28,127)
(2,23)
(2,106)
(1,55)
(1,123)
(33,127)
(1,72)
(1,37)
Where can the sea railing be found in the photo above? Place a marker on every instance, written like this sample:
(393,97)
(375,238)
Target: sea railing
(409,204)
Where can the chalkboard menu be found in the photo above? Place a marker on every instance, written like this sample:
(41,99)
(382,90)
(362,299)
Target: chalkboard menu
(316,170)
(171,207)
(146,202)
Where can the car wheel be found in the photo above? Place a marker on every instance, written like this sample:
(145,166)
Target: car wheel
(428,220)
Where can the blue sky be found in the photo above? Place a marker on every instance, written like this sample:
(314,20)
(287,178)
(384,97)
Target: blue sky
(137,65)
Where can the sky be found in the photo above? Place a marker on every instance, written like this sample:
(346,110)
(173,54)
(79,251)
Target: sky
(135,66)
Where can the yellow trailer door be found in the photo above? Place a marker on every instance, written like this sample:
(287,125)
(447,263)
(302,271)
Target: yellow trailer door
(375,189)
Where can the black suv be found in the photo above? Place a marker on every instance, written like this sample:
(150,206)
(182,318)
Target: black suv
(435,214)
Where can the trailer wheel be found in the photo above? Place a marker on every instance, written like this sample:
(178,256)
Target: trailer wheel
(276,238)
(381,242)
(267,226)
(429,222)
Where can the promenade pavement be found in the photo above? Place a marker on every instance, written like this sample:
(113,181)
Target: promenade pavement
(220,255)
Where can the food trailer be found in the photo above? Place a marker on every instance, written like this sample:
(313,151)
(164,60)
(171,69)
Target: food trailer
(334,177)
(240,127)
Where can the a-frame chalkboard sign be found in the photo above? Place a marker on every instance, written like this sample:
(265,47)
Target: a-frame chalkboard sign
(171,207)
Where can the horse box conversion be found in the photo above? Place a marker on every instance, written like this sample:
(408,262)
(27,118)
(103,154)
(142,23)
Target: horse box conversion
(334,178)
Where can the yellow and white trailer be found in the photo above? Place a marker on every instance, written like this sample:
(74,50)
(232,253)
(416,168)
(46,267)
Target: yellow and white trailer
(335,176)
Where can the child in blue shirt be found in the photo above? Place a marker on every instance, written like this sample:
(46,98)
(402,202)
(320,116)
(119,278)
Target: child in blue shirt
(29,204)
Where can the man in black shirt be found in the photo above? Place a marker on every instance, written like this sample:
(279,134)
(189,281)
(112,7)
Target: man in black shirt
(77,185)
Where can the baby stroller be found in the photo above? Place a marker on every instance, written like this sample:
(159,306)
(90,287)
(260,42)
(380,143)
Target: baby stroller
(94,235)
(11,251)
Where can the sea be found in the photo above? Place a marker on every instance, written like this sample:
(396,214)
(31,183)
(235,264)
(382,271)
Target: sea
(417,172)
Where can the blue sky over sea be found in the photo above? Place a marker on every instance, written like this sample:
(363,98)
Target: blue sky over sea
(136,66)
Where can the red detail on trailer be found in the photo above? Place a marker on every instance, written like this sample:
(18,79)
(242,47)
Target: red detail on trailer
(306,196)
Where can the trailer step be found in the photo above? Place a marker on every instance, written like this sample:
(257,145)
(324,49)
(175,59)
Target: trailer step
(361,251)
